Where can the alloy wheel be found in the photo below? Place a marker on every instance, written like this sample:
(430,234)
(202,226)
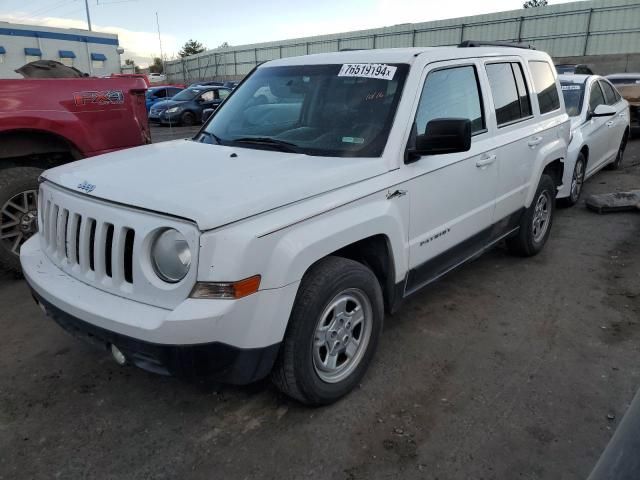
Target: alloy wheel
(342,335)
(18,220)
(541,216)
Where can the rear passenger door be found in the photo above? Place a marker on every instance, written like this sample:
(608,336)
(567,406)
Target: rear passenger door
(451,196)
(517,135)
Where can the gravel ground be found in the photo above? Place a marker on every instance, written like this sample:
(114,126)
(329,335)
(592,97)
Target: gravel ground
(507,368)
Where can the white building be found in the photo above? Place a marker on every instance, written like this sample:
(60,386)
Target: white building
(90,52)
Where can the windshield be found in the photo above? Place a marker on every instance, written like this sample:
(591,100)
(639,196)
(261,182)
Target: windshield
(572,93)
(188,94)
(329,110)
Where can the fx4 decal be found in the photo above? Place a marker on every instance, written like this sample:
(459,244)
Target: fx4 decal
(104,97)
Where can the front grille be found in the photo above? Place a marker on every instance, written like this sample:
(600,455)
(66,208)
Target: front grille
(89,244)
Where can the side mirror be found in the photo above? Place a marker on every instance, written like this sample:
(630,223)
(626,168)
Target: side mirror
(603,111)
(444,135)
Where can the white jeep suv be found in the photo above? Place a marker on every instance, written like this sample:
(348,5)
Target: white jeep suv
(274,240)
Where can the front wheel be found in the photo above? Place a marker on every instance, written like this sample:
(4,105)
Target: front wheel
(535,225)
(577,180)
(333,332)
(617,163)
(188,119)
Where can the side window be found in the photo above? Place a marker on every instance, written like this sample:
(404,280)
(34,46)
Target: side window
(545,86)
(222,94)
(595,97)
(162,93)
(609,93)
(451,93)
(208,96)
(510,96)
(172,91)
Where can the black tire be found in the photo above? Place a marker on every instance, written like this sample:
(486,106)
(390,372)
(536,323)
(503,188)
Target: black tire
(526,242)
(295,372)
(188,119)
(574,193)
(13,182)
(617,163)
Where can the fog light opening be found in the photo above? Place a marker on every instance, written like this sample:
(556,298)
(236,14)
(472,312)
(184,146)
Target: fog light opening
(118,356)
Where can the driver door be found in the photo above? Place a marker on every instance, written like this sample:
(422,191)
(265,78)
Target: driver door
(596,130)
(452,196)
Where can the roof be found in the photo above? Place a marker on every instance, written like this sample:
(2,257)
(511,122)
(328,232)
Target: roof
(405,55)
(574,77)
(624,75)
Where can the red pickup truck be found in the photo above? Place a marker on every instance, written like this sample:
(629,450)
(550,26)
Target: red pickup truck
(48,122)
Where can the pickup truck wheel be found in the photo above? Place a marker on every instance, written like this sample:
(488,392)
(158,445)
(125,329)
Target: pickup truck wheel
(188,119)
(535,225)
(576,183)
(333,332)
(18,212)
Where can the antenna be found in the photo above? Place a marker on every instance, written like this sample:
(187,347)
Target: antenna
(86,6)
(160,42)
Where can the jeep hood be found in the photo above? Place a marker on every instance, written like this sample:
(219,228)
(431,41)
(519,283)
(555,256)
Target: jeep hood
(205,183)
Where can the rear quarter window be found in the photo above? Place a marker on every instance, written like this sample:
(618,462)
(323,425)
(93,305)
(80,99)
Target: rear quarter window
(510,96)
(544,84)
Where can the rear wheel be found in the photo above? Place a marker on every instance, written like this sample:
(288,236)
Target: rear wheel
(18,212)
(333,332)
(535,225)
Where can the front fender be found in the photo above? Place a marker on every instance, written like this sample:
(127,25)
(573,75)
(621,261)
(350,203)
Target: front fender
(282,254)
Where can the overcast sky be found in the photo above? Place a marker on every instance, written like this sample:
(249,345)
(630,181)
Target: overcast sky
(237,22)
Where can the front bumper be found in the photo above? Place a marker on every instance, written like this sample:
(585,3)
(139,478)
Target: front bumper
(234,341)
(219,361)
(170,118)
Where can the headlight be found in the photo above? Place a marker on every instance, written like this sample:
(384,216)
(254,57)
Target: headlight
(173,109)
(171,256)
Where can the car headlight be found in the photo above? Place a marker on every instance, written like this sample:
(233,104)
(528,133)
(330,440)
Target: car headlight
(173,109)
(171,256)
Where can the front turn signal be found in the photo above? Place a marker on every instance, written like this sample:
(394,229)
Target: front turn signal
(226,290)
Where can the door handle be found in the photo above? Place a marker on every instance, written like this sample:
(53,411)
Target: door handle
(535,141)
(623,114)
(485,160)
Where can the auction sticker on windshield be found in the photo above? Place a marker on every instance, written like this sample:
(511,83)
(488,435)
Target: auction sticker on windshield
(368,70)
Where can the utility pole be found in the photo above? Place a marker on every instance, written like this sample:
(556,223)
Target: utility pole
(160,42)
(86,6)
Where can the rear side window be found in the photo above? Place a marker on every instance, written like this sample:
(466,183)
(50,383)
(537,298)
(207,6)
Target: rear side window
(160,93)
(451,93)
(509,90)
(545,86)
(610,95)
(596,97)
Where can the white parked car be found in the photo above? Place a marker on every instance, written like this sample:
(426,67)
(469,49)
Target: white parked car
(275,240)
(599,130)
(157,77)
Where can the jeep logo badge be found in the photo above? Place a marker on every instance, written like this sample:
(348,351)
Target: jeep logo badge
(86,187)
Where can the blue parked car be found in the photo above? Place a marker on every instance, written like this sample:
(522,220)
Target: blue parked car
(158,94)
(187,106)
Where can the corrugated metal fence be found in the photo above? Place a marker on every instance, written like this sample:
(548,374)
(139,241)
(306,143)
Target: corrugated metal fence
(597,27)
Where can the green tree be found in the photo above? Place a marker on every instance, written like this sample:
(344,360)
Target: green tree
(191,47)
(156,66)
(224,45)
(130,62)
(535,3)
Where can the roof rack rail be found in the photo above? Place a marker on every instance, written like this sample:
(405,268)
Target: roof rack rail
(482,43)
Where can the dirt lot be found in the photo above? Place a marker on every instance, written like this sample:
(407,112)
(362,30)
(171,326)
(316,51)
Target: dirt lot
(506,369)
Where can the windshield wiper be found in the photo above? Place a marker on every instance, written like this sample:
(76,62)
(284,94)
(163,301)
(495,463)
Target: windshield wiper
(212,136)
(272,142)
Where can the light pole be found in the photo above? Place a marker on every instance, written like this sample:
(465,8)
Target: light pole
(86,6)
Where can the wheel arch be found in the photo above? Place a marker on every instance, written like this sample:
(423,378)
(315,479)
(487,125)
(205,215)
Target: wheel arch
(37,148)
